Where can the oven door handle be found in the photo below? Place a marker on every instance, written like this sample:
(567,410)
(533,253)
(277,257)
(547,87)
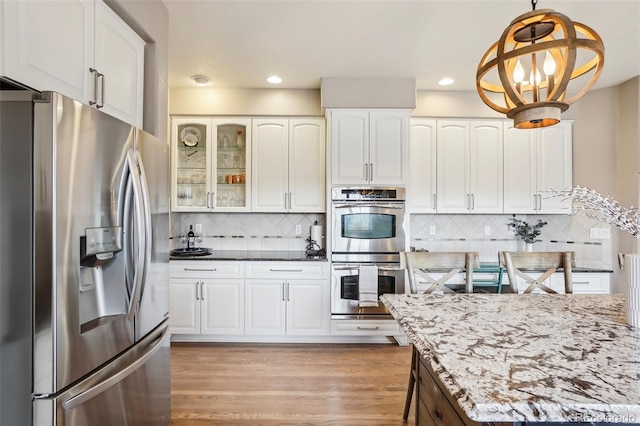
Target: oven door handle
(389,268)
(398,206)
(345,268)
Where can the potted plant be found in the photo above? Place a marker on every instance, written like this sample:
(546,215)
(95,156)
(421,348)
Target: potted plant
(523,230)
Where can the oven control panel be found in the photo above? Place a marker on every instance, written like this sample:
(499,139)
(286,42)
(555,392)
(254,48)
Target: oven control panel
(371,193)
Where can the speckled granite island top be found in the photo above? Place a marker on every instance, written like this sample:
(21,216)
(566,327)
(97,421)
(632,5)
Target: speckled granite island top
(533,358)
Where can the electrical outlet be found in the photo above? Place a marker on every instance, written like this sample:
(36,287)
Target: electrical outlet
(298,229)
(432,230)
(199,228)
(487,230)
(600,233)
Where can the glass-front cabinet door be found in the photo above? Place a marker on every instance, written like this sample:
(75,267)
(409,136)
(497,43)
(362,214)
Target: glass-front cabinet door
(232,164)
(211,163)
(191,164)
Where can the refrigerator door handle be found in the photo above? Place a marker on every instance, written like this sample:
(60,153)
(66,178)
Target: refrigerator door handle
(146,211)
(140,234)
(93,391)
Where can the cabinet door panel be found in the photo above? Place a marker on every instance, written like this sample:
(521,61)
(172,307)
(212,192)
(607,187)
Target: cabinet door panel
(223,307)
(191,166)
(119,55)
(554,166)
(519,170)
(184,308)
(349,146)
(45,56)
(264,307)
(422,187)
(270,156)
(307,312)
(387,153)
(453,161)
(485,167)
(307,166)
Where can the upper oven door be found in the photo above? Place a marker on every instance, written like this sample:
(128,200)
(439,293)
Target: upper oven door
(368,227)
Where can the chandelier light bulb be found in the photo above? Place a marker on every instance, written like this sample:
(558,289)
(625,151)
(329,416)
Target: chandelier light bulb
(549,66)
(518,72)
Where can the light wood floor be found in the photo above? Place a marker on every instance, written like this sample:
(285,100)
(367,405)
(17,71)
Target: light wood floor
(284,384)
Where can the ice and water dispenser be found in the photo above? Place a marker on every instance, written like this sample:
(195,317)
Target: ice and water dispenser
(102,276)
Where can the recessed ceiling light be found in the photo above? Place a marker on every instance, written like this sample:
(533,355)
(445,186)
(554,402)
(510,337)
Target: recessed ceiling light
(200,80)
(446,81)
(274,79)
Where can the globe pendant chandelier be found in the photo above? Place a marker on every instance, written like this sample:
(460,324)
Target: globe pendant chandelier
(535,70)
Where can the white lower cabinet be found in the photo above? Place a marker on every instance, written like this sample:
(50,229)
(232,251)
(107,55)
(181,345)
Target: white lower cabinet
(206,297)
(287,298)
(249,298)
(583,282)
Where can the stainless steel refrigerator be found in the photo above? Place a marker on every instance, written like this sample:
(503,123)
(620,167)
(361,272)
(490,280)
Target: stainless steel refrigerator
(84,220)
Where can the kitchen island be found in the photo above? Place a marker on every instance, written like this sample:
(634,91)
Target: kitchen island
(522,358)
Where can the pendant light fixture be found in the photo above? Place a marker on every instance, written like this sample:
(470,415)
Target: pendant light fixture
(535,70)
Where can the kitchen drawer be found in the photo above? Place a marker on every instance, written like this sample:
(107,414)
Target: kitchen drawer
(205,269)
(591,283)
(288,270)
(366,327)
(423,418)
(438,406)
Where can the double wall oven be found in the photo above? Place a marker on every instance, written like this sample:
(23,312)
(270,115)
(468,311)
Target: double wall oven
(367,229)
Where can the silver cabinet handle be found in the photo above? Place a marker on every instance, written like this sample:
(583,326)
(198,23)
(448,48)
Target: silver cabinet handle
(468,202)
(283,299)
(290,202)
(285,200)
(581,282)
(473,202)
(371,171)
(200,270)
(535,202)
(366,171)
(201,290)
(101,77)
(368,328)
(94,101)
(288,298)
(284,270)
(197,290)
(208,199)
(539,202)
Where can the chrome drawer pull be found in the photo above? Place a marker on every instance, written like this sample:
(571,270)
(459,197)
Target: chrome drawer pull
(285,270)
(200,270)
(368,328)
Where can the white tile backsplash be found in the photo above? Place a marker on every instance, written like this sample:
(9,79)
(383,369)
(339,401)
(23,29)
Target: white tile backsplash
(467,233)
(248,231)
(276,231)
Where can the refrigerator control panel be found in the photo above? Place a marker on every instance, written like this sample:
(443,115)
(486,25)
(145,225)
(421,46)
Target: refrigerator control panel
(101,240)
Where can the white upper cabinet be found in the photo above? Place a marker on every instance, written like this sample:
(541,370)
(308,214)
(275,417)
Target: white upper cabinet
(469,166)
(55,45)
(369,147)
(535,161)
(211,164)
(422,186)
(119,57)
(288,165)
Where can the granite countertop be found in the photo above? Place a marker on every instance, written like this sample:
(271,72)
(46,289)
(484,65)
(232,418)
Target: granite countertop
(253,255)
(512,358)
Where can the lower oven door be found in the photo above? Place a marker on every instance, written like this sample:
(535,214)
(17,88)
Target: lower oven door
(345,289)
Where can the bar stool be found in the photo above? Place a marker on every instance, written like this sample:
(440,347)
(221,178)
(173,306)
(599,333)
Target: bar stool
(547,261)
(418,265)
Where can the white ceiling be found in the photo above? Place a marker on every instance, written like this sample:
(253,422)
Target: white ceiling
(240,43)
